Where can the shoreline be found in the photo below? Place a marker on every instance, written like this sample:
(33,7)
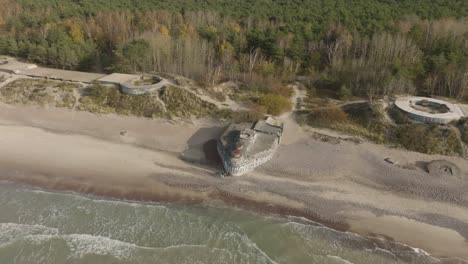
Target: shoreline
(343,186)
(387,244)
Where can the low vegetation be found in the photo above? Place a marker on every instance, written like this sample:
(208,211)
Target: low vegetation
(368,121)
(360,119)
(398,116)
(430,139)
(40,92)
(181,103)
(241,116)
(102,99)
(463,126)
(370,117)
(169,102)
(273,104)
(326,117)
(96,98)
(266,96)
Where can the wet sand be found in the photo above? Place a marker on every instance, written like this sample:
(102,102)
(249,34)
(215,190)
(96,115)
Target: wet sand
(346,186)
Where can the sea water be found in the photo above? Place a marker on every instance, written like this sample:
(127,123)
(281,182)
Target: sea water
(39,226)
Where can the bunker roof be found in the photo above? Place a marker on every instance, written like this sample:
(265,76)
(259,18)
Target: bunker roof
(269,127)
(454,110)
(63,75)
(253,138)
(119,78)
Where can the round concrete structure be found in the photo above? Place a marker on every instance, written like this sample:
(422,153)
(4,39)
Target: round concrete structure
(443,168)
(438,111)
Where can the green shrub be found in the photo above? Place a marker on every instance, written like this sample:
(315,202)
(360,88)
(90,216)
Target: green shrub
(430,139)
(344,92)
(326,116)
(274,104)
(463,127)
(399,116)
(338,119)
(369,116)
(246,116)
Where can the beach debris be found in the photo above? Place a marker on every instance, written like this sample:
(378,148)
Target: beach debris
(335,139)
(123,132)
(443,168)
(222,174)
(391,161)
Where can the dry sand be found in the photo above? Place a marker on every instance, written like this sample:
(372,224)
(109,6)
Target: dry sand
(347,186)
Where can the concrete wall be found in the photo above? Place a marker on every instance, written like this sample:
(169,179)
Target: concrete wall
(429,120)
(132,91)
(129,88)
(243,166)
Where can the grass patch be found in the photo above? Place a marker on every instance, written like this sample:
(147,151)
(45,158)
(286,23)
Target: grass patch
(462,125)
(40,92)
(182,103)
(103,99)
(368,121)
(177,103)
(274,104)
(398,116)
(360,119)
(242,116)
(98,98)
(430,139)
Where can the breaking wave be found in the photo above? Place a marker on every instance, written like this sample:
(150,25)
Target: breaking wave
(46,225)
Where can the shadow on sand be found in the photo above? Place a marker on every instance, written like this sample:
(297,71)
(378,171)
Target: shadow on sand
(202,147)
(422,165)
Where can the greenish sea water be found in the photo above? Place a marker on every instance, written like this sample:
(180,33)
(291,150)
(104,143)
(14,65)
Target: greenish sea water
(53,227)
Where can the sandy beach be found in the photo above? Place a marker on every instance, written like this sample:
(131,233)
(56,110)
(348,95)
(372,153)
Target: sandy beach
(346,186)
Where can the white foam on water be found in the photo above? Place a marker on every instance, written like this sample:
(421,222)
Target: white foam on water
(415,250)
(319,226)
(340,260)
(182,246)
(82,244)
(10,232)
(128,203)
(95,199)
(418,250)
(250,243)
(39,239)
(382,250)
(376,248)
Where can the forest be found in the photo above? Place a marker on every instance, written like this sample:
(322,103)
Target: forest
(367,48)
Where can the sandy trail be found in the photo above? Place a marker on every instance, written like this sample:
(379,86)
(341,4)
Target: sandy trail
(347,186)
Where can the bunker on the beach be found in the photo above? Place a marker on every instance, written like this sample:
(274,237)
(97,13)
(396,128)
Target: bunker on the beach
(429,110)
(244,146)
